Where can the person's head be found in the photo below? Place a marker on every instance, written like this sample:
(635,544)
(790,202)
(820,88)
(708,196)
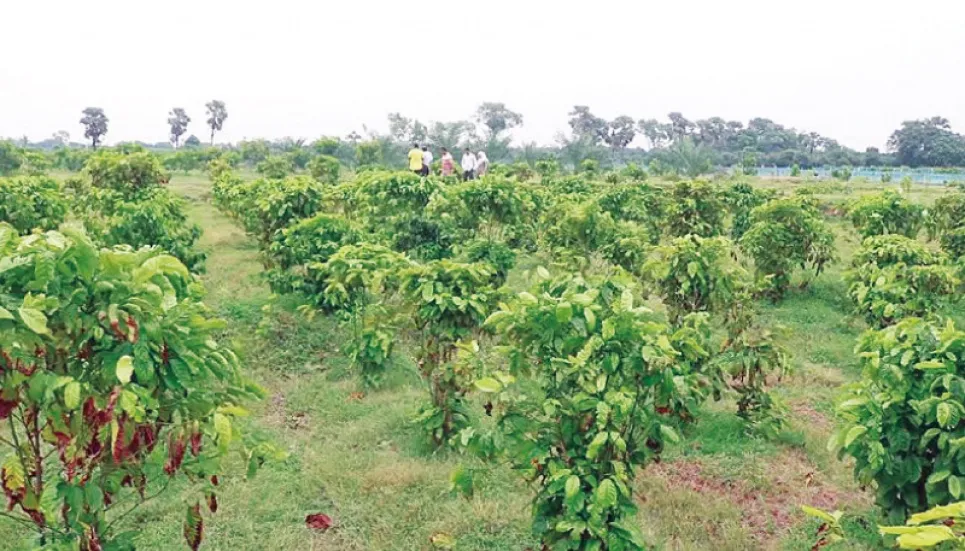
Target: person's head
(425,148)
(468,151)
(444,150)
(415,145)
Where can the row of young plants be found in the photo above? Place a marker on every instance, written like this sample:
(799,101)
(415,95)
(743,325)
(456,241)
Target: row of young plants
(583,384)
(114,387)
(901,423)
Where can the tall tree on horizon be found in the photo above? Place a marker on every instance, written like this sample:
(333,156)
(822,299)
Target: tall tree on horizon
(178,119)
(95,124)
(217,113)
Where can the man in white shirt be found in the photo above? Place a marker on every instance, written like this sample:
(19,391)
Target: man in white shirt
(468,164)
(426,160)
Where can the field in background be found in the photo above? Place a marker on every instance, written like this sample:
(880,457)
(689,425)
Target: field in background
(359,459)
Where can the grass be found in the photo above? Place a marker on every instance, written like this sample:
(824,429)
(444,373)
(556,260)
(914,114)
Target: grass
(361,461)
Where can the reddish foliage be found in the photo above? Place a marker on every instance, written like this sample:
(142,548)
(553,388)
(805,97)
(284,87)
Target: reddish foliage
(196,444)
(194,527)
(134,330)
(175,454)
(213,502)
(319,521)
(7,407)
(91,541)
(14,496)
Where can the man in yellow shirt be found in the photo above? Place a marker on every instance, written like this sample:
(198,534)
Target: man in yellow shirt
(415,159)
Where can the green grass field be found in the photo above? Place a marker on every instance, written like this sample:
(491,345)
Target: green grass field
(359,459)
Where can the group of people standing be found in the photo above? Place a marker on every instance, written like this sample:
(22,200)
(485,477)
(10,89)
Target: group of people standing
(473,165)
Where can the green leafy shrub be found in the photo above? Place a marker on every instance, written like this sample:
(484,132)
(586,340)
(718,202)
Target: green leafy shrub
(741,198)
(451,300)
(574,186)
(369,153)
(547,168)
(749,355)
(785,233)
(579,409)
(125,173)
(842,173)
(633,172)
(795,170)
(483,208)
(639,203)
(902,422)
(590,167)
(946,222)
(151,217)
(353,277)
(695,208)
(11,157)
(497,255)
(30,202)
(267,206)
(886,213)
(693,274)
(893,277)
(325,169)
(275,167)
(307,241)
(112,384)
(578,230)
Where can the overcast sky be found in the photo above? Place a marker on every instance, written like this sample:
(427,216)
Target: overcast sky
(849,69)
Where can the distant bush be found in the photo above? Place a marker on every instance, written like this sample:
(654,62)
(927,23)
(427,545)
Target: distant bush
(325,169)
(275,167)
(894,277)
(885,213)
(29,202)
(125,173)
(786,233)
(695,208)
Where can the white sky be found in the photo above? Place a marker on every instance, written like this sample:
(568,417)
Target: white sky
(849,69)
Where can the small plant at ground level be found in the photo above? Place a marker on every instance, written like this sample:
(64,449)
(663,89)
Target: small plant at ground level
(372,341)
(884,213)
(893,277)
(450,302)
(693,274)
(749,355)
(843,173)
(325,169)
(30,202)
(795,170)
(112,385)
(886,177)
(579,410)
(785,233)
(902,422)
(937,527)
(906,184)
(695,208)
(830,531)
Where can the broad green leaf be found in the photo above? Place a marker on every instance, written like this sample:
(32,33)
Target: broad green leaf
(817,513)
(488,385)
(853,434)
(952,510)
(572,486)
(34,319)
(945,415)
(72,395)
(564,312)
(955,486)
(594,448)
(125,369)
(5,314)
(605,495)
(926,536)
(669,433)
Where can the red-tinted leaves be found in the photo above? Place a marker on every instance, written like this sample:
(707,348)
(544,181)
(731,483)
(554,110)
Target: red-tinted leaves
(213,502)
(196,444)
(176,451)
(7,407)
(14,495)
(194,527)
(91,541)
(319,521)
